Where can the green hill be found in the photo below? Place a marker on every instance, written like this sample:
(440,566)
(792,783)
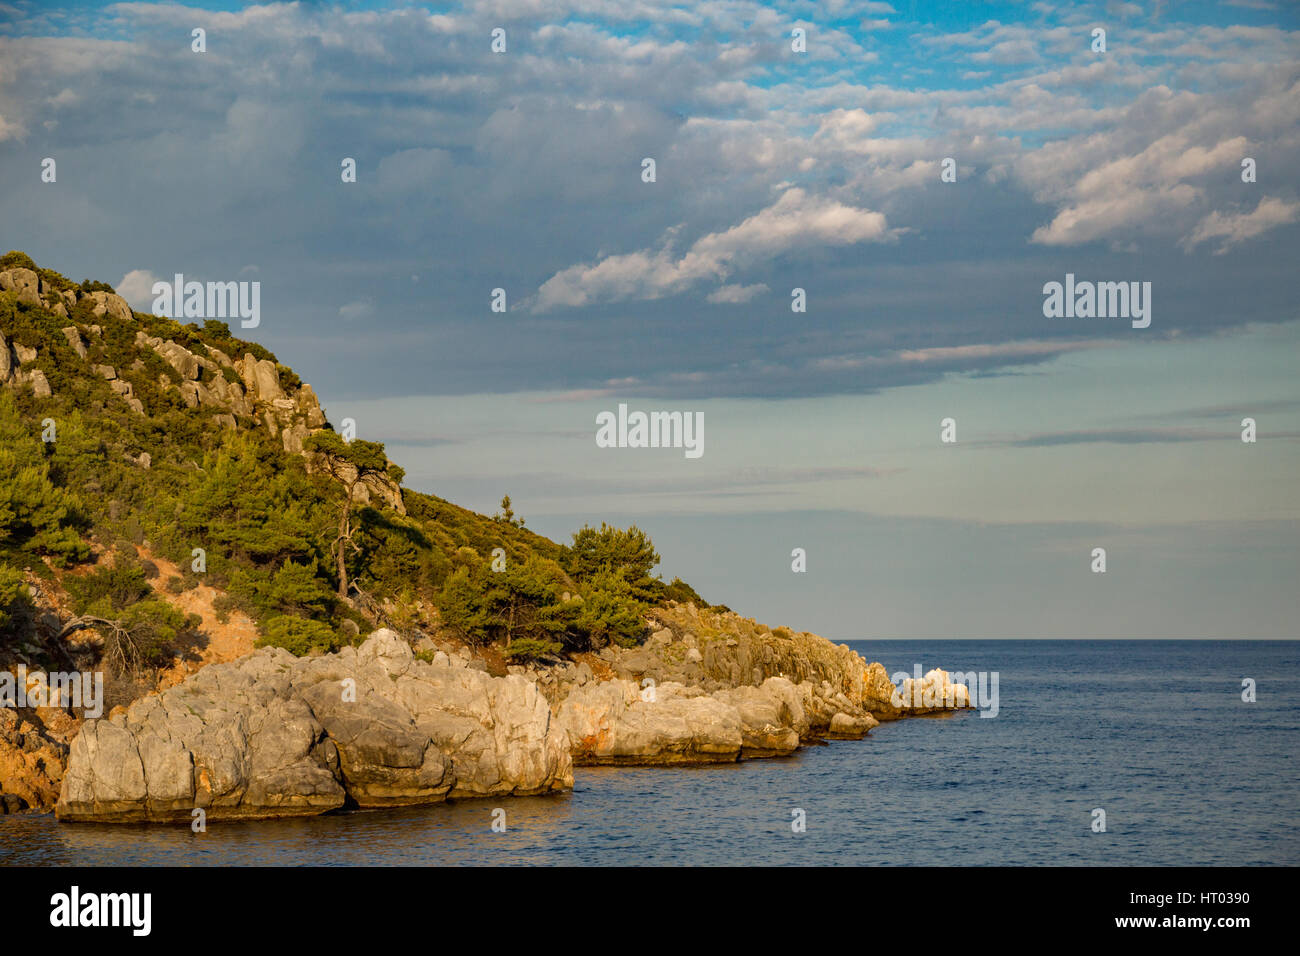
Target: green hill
(123,433)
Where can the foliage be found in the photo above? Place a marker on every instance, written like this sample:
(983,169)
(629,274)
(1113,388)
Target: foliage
(12,593)
(629,553)
(279,532)
(679,590)
(36,515)
(531,649)
(16,260)
(299,636)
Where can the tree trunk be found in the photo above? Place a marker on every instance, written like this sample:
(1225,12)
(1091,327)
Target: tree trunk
(345,533)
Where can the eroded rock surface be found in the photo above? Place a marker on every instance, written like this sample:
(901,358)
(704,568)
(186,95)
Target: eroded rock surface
(274,735)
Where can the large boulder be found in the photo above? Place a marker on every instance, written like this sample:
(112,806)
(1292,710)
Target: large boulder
(111,304)
(75,342)
(623,722)
(25,282)
(273,735)
(261,379)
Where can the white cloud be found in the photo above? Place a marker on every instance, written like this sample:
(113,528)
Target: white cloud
(356,310)
(736,294)
(795,220)
(1233,228)
(137,288)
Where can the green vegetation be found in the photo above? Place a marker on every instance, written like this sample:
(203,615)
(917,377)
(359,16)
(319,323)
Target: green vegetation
(282,534)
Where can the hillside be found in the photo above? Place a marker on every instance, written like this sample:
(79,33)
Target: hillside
(178,515)
(133,443)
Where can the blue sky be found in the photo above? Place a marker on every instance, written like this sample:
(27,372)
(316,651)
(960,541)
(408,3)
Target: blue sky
(775,170)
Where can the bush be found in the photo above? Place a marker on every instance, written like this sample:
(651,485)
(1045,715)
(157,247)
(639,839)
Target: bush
(683,593)
(12,593)
(461,606)
(16,260)
(108,589)
(154,626)
(531,649)
(299,636)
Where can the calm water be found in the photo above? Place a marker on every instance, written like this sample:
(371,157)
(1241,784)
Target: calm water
(1153,732)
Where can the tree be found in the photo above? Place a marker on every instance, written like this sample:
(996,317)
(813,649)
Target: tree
(35,513)
(507,514)
(349,463)
(629,553)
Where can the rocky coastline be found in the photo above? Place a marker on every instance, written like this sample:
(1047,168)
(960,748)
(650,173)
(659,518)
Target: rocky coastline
(382,725)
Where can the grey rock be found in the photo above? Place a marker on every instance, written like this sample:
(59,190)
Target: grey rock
(111,304)
(272,735)
(74,340)
(23,281)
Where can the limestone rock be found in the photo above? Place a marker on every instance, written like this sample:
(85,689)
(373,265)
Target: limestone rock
(74,340)
(23,281)
(261,379)
(181,359)
(622,722)
(111,304)
(40,384)
(272,735)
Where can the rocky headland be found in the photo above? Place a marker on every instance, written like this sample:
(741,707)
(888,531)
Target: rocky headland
(271,735)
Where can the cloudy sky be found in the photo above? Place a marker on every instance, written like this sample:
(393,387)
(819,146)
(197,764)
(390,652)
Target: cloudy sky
(774,170)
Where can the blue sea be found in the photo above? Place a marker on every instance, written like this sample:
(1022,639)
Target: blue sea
(1155,733)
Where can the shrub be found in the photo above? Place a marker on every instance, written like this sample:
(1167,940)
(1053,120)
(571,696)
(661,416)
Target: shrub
(12,593)
(299,636)
(154,626)
(108,589)
(531,649)
(16,260)
(682,592)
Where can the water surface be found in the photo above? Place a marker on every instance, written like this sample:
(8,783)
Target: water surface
(1153,732)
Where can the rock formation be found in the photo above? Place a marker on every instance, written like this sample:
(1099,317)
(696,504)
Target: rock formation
(272,735)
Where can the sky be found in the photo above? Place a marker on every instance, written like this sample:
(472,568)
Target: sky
(774,170)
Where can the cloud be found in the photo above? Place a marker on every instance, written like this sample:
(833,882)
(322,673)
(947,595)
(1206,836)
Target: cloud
(1006,351)
(137,288)
(795,221)
(1116,436)
(736,294)
(1233,228)
(352,311)
(1139,191)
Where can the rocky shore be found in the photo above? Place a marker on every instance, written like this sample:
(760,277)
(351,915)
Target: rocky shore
(271,735)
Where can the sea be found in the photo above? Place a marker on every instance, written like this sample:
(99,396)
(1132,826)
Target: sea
(1101,753)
